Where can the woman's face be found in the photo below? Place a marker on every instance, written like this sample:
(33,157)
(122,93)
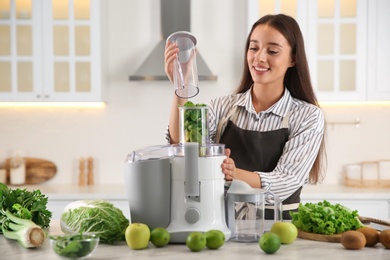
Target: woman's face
(268,56)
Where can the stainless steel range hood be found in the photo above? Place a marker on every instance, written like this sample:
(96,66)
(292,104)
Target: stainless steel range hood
(175,16)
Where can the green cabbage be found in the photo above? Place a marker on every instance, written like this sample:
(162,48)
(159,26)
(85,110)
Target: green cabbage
(325,218)
(99,217)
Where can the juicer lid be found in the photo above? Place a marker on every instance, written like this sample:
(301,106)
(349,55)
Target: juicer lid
(243,188)
(155,152)
(158,152)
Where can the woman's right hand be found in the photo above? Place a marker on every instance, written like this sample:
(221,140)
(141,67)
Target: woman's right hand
(170,54)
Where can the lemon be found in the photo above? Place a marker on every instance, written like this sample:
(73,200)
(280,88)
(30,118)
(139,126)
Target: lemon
(269,242)
(286,231)
(196,241)
(159,237)
(214,239)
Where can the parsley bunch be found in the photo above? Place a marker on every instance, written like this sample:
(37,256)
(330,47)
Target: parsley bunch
(24,204)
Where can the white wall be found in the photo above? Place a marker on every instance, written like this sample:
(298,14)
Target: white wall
(136,113)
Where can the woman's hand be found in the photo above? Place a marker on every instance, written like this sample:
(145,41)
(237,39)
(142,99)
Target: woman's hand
(170,54)
(231,172)
(228,167)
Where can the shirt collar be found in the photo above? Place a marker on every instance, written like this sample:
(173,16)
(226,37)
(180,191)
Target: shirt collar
(280,108)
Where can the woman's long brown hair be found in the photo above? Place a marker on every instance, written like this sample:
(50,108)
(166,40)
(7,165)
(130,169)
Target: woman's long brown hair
(297,79)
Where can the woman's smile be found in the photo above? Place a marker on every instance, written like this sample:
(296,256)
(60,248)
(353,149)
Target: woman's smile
(260,70)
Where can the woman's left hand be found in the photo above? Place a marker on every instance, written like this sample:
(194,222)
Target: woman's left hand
(228,167)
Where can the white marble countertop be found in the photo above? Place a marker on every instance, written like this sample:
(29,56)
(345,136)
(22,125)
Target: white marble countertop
(299,250)
(118,192)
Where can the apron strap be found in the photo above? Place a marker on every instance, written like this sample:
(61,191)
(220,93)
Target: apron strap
(285,207)
(222,124)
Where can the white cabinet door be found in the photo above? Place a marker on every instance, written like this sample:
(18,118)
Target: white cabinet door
(366,208)
(50,51)
(20,51)
(337,49)
(378,50)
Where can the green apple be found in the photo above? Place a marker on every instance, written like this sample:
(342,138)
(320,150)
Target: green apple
(286,231)
(137,235)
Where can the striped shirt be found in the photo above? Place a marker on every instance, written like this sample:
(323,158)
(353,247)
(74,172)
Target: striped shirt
(306,129)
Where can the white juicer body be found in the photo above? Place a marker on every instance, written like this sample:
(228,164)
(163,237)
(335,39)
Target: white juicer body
(197,196)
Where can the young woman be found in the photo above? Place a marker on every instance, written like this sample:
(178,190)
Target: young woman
(272,126)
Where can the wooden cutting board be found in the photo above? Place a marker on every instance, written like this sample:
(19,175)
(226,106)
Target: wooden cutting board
(37,170)
(319,237)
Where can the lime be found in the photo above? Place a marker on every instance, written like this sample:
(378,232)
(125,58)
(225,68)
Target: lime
(196,241)
(214,239)
(269,242)
(160,237)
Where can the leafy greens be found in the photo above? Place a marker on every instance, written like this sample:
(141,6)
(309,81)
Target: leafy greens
(23,214)
(24,204)
(325,218)
(98,217)
(194,123)
(74,246)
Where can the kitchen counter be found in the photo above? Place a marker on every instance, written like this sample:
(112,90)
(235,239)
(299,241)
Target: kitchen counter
(299,249)
(369,202)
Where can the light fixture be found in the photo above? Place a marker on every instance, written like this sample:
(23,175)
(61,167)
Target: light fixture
(54,104)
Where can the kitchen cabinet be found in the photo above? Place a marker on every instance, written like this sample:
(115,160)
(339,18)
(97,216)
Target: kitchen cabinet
(50,50)
(369,202)
(346,44)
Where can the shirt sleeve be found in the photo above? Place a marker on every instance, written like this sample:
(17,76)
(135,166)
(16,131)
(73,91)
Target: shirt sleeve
(299,153)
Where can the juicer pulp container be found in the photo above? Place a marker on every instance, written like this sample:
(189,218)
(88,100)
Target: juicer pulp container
(148,185)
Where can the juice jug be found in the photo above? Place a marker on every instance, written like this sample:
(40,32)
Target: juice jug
(246,211)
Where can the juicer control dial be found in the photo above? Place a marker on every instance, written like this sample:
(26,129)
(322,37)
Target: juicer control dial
(192,215)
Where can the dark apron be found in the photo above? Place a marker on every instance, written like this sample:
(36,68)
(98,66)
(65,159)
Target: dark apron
(258,151)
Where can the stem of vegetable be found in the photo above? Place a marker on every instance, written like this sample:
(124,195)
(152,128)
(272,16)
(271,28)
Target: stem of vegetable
(26,232)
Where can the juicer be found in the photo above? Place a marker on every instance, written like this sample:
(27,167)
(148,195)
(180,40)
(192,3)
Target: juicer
(179,187)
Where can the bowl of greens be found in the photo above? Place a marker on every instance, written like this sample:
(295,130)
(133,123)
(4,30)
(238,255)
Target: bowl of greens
(74,246)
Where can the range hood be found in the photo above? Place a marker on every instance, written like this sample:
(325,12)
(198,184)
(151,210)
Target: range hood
(175,16)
